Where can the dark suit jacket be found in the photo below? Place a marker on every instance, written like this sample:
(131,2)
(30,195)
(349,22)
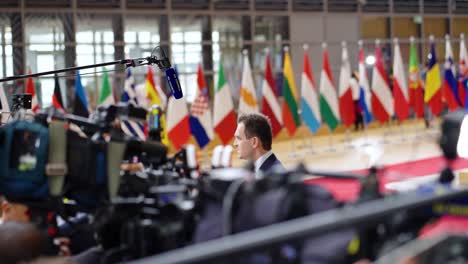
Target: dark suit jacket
(269,163)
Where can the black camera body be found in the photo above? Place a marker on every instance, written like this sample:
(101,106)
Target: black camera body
(23,158)
(21,101)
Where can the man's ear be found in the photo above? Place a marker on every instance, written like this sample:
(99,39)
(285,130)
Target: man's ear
(255,142)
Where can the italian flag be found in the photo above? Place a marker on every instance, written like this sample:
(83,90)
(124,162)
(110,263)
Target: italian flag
(224,118)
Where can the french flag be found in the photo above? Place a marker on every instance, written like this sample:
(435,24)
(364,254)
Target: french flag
(450,87)
(201,125)
(178,127)
(364,90)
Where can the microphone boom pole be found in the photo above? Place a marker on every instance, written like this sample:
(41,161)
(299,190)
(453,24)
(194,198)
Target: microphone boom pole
(159,59)
(127,62)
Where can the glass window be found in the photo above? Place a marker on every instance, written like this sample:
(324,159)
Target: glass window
(141,36)
(94,44)
(227,43)
(6,48)
(186,51)
(271,32)
(45,45)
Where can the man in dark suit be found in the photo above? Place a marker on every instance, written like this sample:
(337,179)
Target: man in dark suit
(252,139)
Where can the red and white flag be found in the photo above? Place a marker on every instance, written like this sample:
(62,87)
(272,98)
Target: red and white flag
(270,104)
(382,100)
(400,85)
(178,126)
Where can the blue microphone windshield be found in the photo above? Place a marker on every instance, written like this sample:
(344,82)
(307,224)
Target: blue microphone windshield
(174,84)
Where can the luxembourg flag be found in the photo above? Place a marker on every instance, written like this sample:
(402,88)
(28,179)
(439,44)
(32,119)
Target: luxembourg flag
(382,100)
(400,86)
(309,96)
(346,103)
(178,125)
(364,91)
(201,125)
(463,73)
(450,86)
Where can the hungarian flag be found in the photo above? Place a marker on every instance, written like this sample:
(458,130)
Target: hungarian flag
(31,89)
(224,118)
(248,98)
(463,73)
(270,104)
(106,96)
(178,126)
(364,90)
(450,86)
(290,114)
(80,106)
(328,98)
(415,83)
(400,86)
(201,125)
(433,93)
(382,100)
(57,100)
(310,109)
(346,103)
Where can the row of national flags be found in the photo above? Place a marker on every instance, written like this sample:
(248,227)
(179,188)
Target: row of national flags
(325,103)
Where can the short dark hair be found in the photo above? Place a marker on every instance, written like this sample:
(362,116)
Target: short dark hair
(257,125)
(20,242)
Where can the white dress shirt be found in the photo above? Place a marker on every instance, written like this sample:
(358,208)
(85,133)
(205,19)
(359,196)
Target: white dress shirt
(259,162)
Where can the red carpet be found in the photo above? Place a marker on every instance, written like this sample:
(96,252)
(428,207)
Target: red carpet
(348,190)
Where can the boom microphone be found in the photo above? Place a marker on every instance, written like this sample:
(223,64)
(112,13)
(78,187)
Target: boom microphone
(161,59)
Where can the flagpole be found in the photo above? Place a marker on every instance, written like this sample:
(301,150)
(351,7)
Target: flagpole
(348,139)
(293,154)
(310,146)
(402,132)
(330,141)
(385,133)
(206,158)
